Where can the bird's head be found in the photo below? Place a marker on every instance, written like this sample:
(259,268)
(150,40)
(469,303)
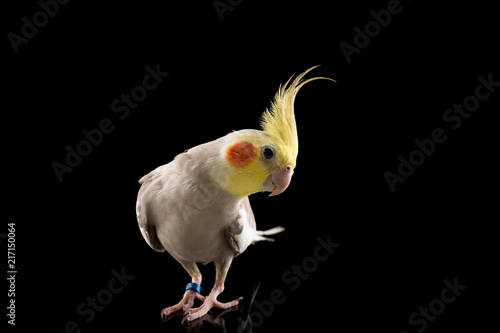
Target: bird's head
(256,161)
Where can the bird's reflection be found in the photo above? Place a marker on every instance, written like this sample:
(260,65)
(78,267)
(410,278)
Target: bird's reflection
(213,318)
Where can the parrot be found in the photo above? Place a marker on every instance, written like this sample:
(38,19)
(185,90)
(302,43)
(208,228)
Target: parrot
(197,209)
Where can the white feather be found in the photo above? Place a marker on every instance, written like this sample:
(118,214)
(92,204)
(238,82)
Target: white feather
(246,237)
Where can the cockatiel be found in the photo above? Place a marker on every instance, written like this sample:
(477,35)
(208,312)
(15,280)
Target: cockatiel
(197,208)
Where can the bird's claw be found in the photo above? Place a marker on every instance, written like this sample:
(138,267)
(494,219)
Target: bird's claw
(196,313)
(185,304)
(191,317)
(168,311)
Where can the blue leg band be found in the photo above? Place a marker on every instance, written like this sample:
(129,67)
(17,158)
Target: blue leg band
(193,286)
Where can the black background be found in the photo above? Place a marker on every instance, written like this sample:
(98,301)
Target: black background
(396,248)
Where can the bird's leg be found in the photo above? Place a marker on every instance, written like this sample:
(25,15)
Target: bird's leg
(187,300)
(211,300)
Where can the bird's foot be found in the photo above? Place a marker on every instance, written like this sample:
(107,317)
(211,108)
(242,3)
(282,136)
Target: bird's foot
(185,304)
(210,302)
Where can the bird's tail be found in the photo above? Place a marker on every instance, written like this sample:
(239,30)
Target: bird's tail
(258,236)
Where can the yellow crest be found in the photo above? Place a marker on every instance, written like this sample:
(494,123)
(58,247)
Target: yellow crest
(279,121)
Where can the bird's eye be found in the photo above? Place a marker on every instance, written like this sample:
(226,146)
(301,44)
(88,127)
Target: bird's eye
(268,153)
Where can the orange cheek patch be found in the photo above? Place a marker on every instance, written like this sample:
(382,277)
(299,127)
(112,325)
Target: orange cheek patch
(241,154)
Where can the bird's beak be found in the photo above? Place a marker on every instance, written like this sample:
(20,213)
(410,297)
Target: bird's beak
(278,181)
